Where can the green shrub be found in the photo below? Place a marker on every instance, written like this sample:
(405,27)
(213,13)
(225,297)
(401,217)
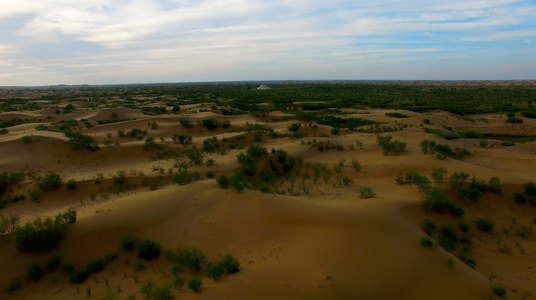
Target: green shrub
(71,184)
(429,227)
(195,284)
(43,235)
(439,175)
(367,192)
(520,198)
(391,147)
(34,272)
(49,182)
(128,242)
(77,277)
(498,290)
(485,224)
(223,181)
(494,185)
(148,249)
(448,238)
(53,263)
(230,263)
(210,123)
(94,266)
(530,188)
(192,258)
(436,199)
(215,270)
(427,241)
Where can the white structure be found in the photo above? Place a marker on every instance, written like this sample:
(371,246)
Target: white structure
(264,87)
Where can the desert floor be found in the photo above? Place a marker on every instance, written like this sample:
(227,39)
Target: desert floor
(319,241)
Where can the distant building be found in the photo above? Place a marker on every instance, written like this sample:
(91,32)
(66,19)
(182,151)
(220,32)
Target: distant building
(264,87)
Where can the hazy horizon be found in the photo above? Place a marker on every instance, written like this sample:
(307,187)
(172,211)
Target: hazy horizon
(102,42)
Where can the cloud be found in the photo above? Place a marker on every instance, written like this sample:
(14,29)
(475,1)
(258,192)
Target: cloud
(182,38)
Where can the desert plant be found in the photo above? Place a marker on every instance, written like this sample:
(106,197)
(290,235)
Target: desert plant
(9,224)
(43,235)
(520,198)
(192,258)
(494,185)
(230,263)
(485,224)
(439,175)
(128,242)
(148,249)
(195,284)
(34,272)
(223,181)
(356,165)
(436,199)
(49,182)
(498,290)
(429,227)
(427,241)
(530,188)
(367,192)
(215,270)
(448,238)
(53,263)
(71,184)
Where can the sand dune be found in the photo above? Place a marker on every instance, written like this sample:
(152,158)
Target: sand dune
(327,244)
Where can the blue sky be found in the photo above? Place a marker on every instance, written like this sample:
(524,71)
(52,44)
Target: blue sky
(109,41)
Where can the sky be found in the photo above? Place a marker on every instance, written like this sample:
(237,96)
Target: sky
(46,42)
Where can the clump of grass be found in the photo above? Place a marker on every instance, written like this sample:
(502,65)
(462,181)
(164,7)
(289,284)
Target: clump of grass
(367,192)
(427,241)
(498,290)
(429,227)
(485,224)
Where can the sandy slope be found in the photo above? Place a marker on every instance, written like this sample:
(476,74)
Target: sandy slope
(329,244)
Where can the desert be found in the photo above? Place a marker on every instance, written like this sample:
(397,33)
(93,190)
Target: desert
(308,190)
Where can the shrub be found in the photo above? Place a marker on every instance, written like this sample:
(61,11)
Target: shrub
(485,224)
(294,127)
(391,147)
(71,184)
(495,185)
(223,181)
(9,224)
(34,272)
(421,181)
(436,199)
(210,123)
(94,266)
(429,227)
(530,188)
(148,249)
(439,175)
(230,263)
(43,235)
(367,192)
(215,270)
(427,241)
(356,165)
(128,242)
(448,238)
(498,290)
(49,182)
(77,277)
(53,263)
(520,198)
(186,123)
(192,258)
(195,284)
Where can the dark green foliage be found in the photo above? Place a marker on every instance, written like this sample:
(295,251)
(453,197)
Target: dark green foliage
(94,266)
(49,182)
(427,241)
(43,235)
(186,122)
(439,175)
(195,157)
(195,284)
(514,120)
(77,277)
(128,242)
(230,263)
(498,290)
(71,184)
(421,181)
(494,185)
(294,127)
(397,115)
(81,141)
(431,147)
(148,249)
(520,198)
(367,192)
(34,272)
(429,227)
(223,181)
(471,262)
(391,147)
(530,188)
(337,122)
(149,143)
(210,123)
(436,199)
(448,238)
(485,224)
(183,178)
(192,258)
(13,285)
(215,270)
(53,263)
